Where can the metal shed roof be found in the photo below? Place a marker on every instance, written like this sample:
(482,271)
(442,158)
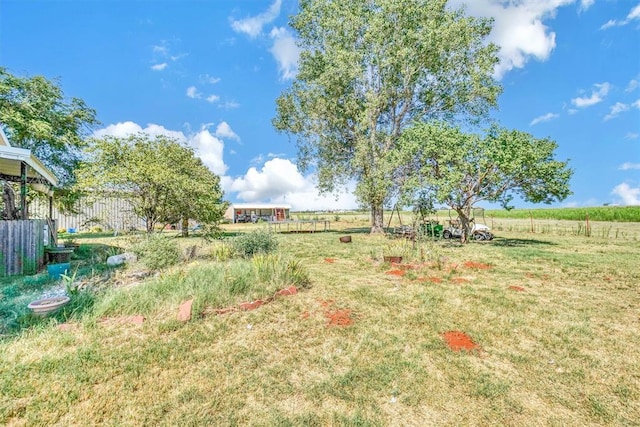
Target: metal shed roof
(38,176)
(260,206)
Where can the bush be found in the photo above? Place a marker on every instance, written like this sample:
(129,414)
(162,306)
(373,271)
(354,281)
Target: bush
(157,252)
(255,242)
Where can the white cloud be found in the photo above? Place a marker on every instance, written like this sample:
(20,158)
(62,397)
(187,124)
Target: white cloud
(252,26)
(159,67)
(210,150)
(610,23)
(286,52)
(208,147)
(631,135)
(192,92)
(161,49)
(586,4)
(636,104)
(162,56)
(633,85)
(629,166)
(128,128)
(545,118)
(230,105)
(519,28)
(616,109)
(279,181)
(633,14)
(597,95)
(206,78)
(223,130)
(628,194)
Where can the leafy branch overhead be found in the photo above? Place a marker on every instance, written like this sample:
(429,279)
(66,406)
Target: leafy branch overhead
(35,115)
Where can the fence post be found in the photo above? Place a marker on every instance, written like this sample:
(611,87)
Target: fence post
(587,230)
(531,217)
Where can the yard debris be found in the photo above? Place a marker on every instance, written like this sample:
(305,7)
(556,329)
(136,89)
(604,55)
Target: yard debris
(396,272)
(251,305)
(476,265)
(517,288)
(457,340)
(339,317)
(184,313)
(291,290)
(116,260)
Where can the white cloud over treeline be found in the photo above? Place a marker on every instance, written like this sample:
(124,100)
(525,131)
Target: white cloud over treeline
(278,180)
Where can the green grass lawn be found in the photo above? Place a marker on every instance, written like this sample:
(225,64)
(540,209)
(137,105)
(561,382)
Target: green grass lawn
(562,352)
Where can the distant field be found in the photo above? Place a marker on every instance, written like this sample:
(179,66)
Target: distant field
(599,213)
(552,317)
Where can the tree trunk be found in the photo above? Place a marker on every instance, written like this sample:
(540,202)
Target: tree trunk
(465,223)
(185,227)
(377,219)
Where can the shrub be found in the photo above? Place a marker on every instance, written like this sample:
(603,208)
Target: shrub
(280,271)
(258,241)
(222,252)
(157,252)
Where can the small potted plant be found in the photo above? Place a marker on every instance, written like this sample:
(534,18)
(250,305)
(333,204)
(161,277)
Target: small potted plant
(71,243)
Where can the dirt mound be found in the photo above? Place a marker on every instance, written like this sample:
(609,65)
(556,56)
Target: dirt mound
(457,341)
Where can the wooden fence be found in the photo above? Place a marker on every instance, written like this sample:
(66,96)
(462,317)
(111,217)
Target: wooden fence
(22,245)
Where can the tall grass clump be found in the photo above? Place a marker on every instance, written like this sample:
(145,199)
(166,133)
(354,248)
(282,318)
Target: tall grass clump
(157,252)
(280,271)
(212,284)
(255,242)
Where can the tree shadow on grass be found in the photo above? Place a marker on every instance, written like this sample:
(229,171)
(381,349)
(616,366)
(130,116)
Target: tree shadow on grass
(357,230)
(507,242)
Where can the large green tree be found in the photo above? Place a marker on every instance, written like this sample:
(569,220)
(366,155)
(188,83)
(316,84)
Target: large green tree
(36,115)
(462,169)
(164,180)
(366,71)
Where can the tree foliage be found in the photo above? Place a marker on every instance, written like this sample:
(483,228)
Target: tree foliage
(36,115)
(164,180)
(367,70)
(461,169)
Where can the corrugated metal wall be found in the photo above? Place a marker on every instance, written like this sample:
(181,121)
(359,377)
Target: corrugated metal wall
(22,246)
(110,213)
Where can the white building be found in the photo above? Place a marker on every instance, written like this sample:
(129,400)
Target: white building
(251,212)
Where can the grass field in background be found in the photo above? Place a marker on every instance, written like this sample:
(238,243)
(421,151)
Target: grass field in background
(598,213)
(561,352)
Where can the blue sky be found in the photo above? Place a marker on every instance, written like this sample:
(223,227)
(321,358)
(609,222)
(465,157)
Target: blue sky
(208,73)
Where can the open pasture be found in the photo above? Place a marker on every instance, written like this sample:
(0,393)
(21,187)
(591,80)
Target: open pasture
(553,319)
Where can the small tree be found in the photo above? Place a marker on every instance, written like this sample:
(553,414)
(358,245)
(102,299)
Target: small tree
(164,180)
(461,169)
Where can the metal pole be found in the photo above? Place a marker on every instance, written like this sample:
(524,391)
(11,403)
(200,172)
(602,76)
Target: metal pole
(23,190)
